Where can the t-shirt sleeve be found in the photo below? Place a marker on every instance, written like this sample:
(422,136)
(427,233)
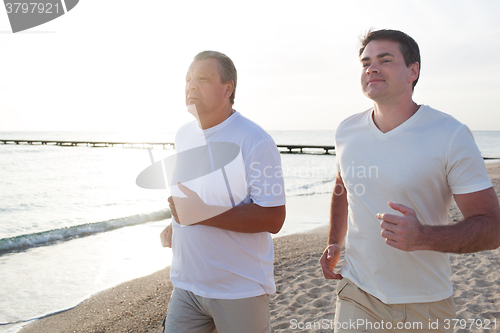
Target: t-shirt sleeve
(265,182)
(466,170)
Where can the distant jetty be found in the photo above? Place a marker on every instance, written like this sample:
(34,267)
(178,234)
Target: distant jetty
(89,143)
(284,149)
(301,149)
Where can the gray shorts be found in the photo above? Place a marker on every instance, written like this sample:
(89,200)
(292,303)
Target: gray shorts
(191,313)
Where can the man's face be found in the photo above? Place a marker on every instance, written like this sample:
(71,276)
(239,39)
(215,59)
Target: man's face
(204,88)
(384,75)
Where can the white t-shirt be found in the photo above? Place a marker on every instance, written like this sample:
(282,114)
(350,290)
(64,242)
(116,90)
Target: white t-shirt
(217,263)
(420,164)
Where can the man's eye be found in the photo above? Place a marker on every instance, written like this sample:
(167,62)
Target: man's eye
(366,65)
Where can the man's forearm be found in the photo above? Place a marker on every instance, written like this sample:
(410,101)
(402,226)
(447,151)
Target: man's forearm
(250,218)
(477,233)
(338,213)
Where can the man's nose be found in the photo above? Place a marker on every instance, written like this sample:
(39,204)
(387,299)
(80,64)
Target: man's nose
(191,85)
(372,69)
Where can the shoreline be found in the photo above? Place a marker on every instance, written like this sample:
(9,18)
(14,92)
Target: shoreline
(302,296)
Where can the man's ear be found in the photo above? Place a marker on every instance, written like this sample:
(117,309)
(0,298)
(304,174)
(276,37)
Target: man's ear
(229,89)
(414,71)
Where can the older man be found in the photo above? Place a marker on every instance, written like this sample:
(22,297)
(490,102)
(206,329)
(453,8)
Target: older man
(222,267)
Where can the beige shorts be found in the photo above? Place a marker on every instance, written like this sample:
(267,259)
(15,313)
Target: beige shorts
(191,313)
(358,311)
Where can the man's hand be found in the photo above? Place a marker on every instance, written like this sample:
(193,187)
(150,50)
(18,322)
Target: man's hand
(402,232)
(187,210)
(329,260)
(192,209)
(166,236)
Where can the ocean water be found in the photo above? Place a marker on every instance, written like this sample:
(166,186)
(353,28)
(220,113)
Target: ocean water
(73,222)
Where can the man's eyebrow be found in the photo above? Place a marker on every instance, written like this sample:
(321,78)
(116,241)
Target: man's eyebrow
(385,54)
(381,55)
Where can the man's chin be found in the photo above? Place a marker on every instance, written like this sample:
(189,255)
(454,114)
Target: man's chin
(372,94)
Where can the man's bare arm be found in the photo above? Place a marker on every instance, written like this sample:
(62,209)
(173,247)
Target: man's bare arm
(479,231)
(338,230)
(250,218)
(338,213)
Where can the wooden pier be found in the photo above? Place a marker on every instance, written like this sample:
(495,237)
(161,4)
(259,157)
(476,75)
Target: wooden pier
(89,143)
(289,149)
(302,149)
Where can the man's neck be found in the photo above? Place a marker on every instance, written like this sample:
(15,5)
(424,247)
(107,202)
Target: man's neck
(389,116)
(216,119)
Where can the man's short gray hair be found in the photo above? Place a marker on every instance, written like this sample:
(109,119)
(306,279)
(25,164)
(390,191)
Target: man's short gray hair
(227,70)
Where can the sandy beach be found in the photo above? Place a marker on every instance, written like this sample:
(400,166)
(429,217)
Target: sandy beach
(303,295)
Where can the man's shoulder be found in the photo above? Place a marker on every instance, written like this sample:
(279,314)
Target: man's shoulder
(250,125)
(438,115)
(250,130)
(354,119)
(239,130)
(430,116)
(443,122)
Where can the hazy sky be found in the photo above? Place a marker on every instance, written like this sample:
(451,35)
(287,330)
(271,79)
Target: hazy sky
(120,65)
